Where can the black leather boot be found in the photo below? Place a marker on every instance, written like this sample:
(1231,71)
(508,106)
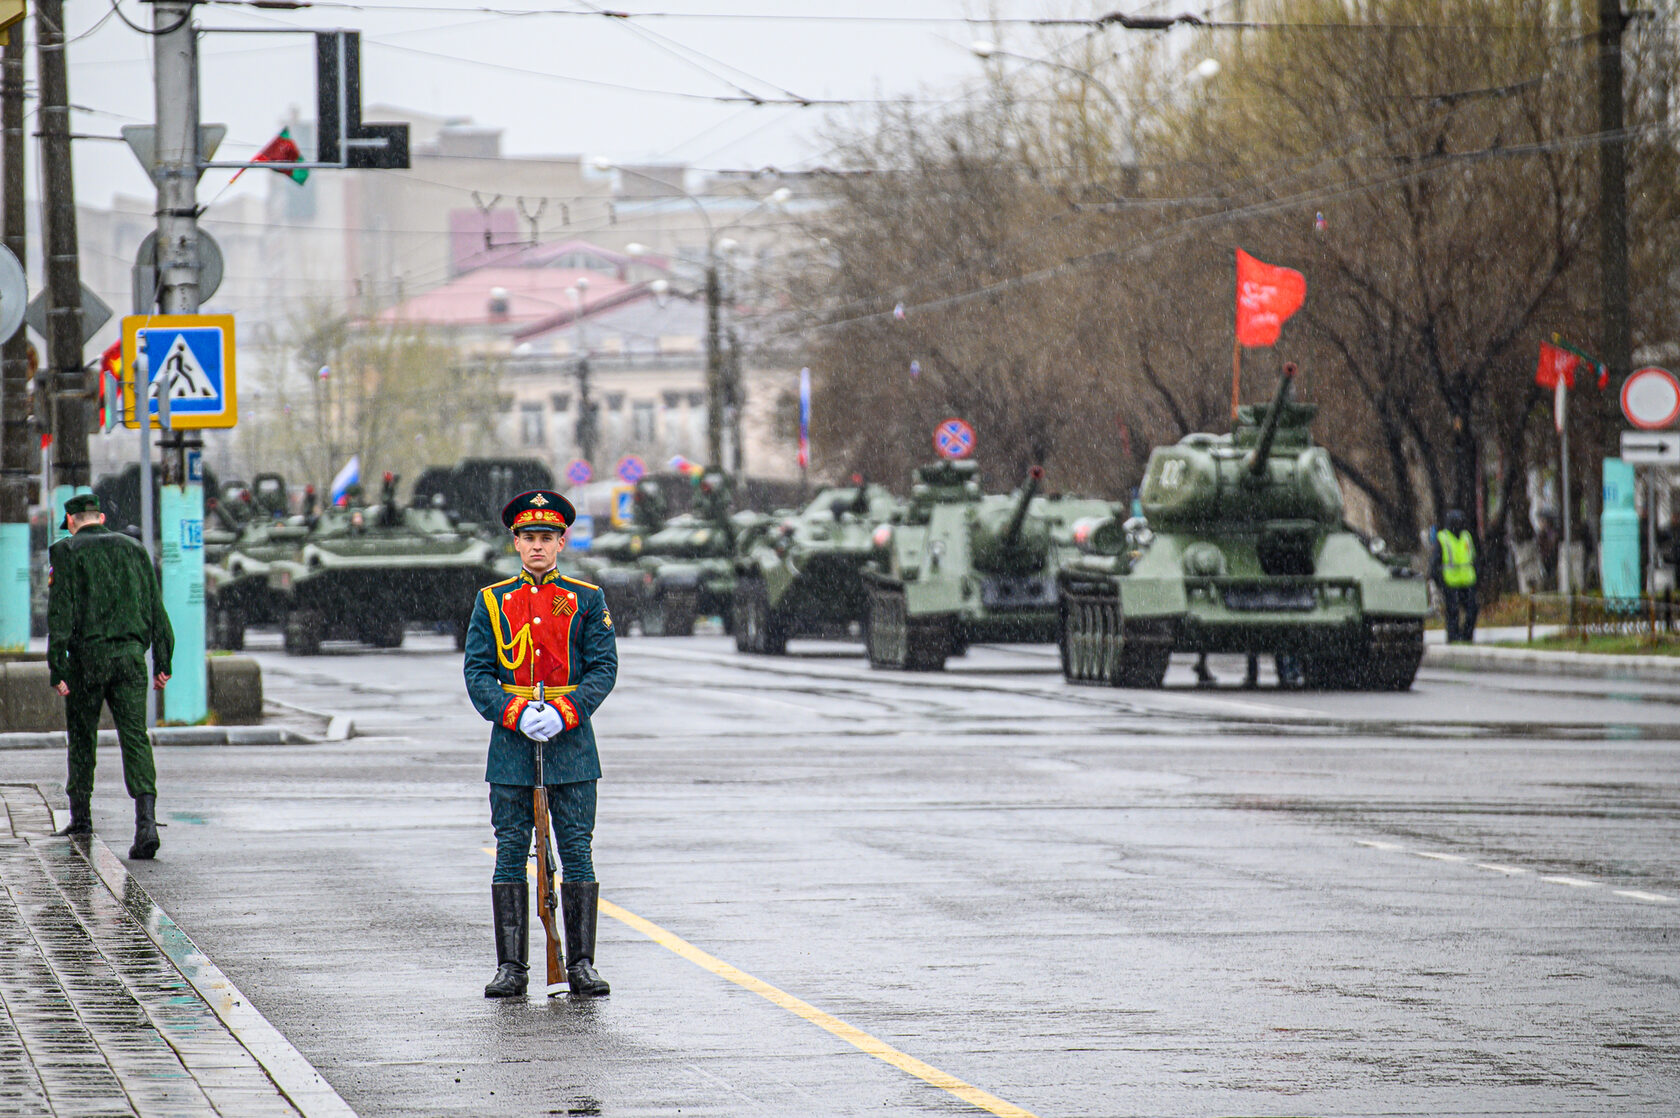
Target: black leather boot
(579,906)
(145,828)
(81,817)
(508,900)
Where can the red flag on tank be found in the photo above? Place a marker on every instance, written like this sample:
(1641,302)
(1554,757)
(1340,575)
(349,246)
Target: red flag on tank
(1266,296)
(1556,363)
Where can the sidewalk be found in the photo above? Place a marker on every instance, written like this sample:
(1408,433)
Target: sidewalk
(1485,655)
(107,1008)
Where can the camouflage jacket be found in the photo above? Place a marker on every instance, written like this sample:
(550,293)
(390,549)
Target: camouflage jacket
(103,599)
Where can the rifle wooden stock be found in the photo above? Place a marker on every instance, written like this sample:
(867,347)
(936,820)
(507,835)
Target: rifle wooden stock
(546,905)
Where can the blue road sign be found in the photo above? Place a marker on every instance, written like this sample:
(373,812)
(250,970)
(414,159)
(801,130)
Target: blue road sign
(624,506)
(631,469)
(195,465)
(579,472)
(953,439)
(189,360)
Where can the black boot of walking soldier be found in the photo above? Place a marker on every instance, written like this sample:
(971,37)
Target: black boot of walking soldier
(579,905)
(81,817)
(145,828)
(508,900)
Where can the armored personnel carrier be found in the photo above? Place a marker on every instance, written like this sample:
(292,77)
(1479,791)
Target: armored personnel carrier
(805,573)
(613,559)
(365,572)
(1245,551)
(956,567)
(690,562)
(237,593)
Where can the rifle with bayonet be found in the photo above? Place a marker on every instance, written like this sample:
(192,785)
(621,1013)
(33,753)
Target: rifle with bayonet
(546,905)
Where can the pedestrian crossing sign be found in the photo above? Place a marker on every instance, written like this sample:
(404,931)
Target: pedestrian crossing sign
(191,356)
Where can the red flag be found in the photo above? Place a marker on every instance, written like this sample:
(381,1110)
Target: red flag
(1266,296)
(281,149)
(1556,364)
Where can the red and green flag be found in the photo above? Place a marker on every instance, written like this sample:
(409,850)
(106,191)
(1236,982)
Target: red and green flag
(281,149)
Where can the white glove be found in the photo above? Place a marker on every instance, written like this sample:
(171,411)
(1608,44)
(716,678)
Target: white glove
(540,723)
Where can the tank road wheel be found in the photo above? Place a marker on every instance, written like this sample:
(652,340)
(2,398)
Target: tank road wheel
(898,641)
(303,633)
(227,630)
(1099,646)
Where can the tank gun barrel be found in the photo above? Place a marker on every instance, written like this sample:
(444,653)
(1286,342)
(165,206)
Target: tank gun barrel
(1019,516)
(1269,425)
(860,500)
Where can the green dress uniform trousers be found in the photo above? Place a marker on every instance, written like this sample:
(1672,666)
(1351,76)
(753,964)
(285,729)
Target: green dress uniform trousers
(115,676)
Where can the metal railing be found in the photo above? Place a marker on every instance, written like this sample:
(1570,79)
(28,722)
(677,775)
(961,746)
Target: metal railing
(1581,617)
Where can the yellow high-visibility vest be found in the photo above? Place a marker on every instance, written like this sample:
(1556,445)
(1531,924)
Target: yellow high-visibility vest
(1458,559)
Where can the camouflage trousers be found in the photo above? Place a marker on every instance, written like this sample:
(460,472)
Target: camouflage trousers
(121,680)
(571,812)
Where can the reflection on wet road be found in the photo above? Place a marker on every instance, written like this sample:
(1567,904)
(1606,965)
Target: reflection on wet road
(1083,901)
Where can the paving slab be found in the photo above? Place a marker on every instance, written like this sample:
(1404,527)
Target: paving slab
(108,1008)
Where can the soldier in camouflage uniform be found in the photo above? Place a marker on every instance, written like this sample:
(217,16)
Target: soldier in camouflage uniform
(104,609)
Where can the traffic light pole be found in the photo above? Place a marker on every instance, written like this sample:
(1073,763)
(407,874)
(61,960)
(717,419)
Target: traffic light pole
(181,500)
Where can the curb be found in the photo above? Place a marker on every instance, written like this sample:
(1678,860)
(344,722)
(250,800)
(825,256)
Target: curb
(291,1071)
(1534,661)
(168,735)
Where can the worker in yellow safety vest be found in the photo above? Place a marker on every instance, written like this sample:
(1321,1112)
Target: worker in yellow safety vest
(1454,568)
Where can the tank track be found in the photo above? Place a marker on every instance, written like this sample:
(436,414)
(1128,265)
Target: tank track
(1099,646)
(1386,658)
(898,641)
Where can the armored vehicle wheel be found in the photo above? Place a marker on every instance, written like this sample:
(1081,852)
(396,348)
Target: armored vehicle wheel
(227,629)
(1098,646)
(672,614)
(384,632)
(303,633)
(897,640)
(757,628)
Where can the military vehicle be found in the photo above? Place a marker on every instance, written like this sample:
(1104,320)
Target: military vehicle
(474,490)
(1245,551)
(613,559)
(237,592)
(691,561)
(956,567)
(803,573)
(364,573)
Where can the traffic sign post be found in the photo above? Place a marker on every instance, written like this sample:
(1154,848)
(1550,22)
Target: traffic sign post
(1655,450)
(193,354)
(954,439)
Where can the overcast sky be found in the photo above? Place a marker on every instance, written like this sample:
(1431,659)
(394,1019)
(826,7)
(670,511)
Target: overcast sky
(531,74)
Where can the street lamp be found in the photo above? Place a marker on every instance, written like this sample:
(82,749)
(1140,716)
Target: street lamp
(716,390)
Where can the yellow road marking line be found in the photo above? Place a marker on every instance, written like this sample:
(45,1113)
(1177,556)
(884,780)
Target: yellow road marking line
(851,1034)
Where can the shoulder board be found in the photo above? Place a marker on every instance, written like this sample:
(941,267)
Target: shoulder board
(578,582)
(494,585)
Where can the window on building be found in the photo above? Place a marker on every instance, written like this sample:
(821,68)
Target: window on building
(530,424)
(672,399)
(615,401)
(560,401)
(696,399)
(642,421)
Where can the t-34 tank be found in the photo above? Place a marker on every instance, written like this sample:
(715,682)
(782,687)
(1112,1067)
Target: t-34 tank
(805,575)
(365,572)
(1245,551)
(956,567)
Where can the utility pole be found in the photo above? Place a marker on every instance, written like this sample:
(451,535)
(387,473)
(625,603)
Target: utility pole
(14,369)
(1615,343)
(69,404)
(181,499)
(586,430)
(714,361)
(735,398)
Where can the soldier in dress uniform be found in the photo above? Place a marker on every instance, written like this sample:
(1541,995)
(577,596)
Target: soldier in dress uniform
(104,610)
(542,627)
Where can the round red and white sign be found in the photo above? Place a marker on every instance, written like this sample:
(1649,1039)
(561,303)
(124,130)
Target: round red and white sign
(1651,398)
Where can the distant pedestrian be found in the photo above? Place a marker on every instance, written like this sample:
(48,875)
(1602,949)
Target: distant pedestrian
(541,627)
(1453,566)
(104,610)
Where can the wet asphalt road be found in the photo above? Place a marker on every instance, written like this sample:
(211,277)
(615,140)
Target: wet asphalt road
(1079,901)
